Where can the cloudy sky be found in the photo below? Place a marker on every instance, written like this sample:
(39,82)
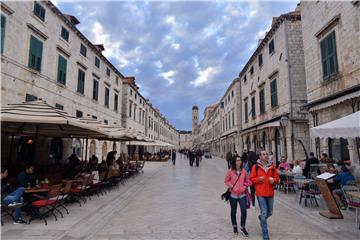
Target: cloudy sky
(181,53)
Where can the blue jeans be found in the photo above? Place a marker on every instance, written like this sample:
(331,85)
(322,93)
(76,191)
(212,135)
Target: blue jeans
(15,196)
(266,209)
(233,204)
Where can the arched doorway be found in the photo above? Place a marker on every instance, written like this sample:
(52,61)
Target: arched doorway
(92,150)
(104,150)
(248,144)
(277,147)
(264,142)
(76,147)
(56,148)
(255,143)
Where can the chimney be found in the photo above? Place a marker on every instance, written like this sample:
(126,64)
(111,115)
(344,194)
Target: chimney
(274,19)
(260,40)
(72,19)
(99,47)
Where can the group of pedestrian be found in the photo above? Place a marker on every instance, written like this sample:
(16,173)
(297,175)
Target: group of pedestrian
(257,173)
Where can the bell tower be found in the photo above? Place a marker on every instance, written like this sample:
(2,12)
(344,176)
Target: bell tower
(195,119)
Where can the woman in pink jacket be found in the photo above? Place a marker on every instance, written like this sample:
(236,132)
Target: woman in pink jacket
(237,180)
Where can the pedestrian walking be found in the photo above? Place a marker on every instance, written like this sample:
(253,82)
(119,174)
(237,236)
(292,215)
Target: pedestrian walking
(264,176)
(229,159)
(237,180)
(251,159)
(173,156)
(191,158)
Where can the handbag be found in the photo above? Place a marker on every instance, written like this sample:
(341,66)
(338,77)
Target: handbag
(226,195)
(248,198)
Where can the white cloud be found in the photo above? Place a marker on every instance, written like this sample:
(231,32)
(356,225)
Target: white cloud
(170,20)
(176,46)
(168,76)
(204,76)
(158,64)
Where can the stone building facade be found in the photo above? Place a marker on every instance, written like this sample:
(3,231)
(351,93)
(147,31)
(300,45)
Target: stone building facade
(230,119)
(331,37)
(44,56)
(185,139)
(273,89)
(219,131)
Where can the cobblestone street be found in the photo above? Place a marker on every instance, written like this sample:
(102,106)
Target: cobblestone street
(179,202)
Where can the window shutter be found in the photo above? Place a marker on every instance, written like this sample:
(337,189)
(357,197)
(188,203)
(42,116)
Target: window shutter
(32,54)
(332,57)
(38,53)
(3,24)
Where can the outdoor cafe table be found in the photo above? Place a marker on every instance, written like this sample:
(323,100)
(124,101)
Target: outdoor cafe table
(354,194)
(301,183)
(36,190)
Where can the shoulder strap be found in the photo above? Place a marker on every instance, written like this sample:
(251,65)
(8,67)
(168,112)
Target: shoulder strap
(236,180)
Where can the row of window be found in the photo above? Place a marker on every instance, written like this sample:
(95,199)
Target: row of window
(228,121)
(260,59)
(142,102)
(78,114)
(39,11)
(273,99)
(132,114)
(228,98)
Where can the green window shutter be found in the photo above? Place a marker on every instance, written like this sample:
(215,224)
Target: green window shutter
(273,92)
(62,70)
(262,101)
(329,56)
(332,54)
(3,24)
(81,82)
(35,54)
(324,60)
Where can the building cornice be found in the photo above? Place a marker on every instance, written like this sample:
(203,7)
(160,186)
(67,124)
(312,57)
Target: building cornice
(291,16)
(331,97)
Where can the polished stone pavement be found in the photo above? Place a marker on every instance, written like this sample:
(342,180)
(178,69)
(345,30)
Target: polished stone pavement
(179,202)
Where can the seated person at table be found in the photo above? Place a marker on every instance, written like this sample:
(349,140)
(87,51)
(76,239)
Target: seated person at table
(331,169)
(73,167)
(26,177)
(284,164)
(297,170)
(343,179)
(325,159)
(11,197)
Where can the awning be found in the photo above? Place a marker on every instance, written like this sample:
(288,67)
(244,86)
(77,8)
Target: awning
(39,118)
(116,132)
(335,101)
(266,125)
(346,127)
(153,143)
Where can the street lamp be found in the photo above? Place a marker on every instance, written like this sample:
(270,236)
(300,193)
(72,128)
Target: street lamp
(284,121)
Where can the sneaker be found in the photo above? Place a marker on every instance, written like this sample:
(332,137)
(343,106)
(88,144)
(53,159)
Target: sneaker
(20,221)
(14,204)
(236,230)
(343,207)
(252,206)
(243,229)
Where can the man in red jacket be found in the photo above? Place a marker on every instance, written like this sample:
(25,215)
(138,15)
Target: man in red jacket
(264,176)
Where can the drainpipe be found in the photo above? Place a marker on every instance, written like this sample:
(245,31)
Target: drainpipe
(290,90)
